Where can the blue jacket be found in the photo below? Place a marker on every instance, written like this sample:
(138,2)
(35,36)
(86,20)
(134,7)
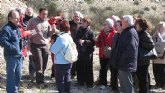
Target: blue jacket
(127,50)
(59,48)
(10,39)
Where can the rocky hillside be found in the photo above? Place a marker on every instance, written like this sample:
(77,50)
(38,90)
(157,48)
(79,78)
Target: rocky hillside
(98,10)
(7,5)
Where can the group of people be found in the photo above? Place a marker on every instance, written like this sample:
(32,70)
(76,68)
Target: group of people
(123,38)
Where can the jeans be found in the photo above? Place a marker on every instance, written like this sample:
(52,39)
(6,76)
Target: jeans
(14,73)
(62,77)
(126,82)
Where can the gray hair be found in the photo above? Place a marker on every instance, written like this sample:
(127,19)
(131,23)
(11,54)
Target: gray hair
(129,19)
(79,14)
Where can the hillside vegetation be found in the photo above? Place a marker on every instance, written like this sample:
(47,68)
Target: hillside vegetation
(98,10)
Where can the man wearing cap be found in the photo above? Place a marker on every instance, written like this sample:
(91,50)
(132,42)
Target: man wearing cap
(126,54)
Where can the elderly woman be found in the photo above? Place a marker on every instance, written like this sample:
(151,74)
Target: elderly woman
(146,43)
(85,45)
(159,64)
(62,66)
(104,39)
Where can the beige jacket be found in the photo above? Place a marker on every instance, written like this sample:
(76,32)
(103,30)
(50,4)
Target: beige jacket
(159,39)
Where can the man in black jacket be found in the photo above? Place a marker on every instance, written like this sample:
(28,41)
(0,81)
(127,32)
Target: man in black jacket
(28,16)
(126,54)
(74,26)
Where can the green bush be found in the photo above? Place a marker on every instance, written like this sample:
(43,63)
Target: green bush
(53,10)
(136,3)
(146,8)
(109,8)
(2,20)
(154,8)
(135,12)
(88,1)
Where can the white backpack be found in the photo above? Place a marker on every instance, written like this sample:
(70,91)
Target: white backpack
(71,52)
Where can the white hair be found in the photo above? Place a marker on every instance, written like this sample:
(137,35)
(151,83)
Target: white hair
(129,19)
(115,18)
(110,22)
(162,23)
(79,14)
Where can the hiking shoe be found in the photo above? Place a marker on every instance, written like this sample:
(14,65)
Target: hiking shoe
(102,87)
(32,77)
(42,86)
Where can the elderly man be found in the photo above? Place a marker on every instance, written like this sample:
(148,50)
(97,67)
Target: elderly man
(74,26)
(39,43)
(126,54)
(10,39)
(28,15)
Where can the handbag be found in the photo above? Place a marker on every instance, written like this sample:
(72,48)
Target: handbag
(71,54)
(107,51)
(145,54)
(159,46)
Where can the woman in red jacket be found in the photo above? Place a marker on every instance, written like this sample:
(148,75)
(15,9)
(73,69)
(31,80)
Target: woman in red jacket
(24,33)
(104,39)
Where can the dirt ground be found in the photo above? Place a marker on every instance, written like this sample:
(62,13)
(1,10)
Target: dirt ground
(28,87)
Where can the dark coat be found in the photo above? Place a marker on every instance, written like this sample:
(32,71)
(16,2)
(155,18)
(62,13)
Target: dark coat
(26,20)
(87,35)
(127,50)
(145,42)
(113,55)
(73,28)
(10,39)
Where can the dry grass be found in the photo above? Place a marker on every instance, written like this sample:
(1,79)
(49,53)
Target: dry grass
(28,87)
(98,12)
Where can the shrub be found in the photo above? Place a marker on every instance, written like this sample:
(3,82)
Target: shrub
(135,12)
(53,10)
(88,1)
(93,9)
(154,8)
(109,8)
(136,3)
(141,12)
(146,8)
(2,20)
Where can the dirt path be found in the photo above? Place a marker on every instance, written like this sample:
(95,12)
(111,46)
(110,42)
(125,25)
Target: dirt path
(28,87)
